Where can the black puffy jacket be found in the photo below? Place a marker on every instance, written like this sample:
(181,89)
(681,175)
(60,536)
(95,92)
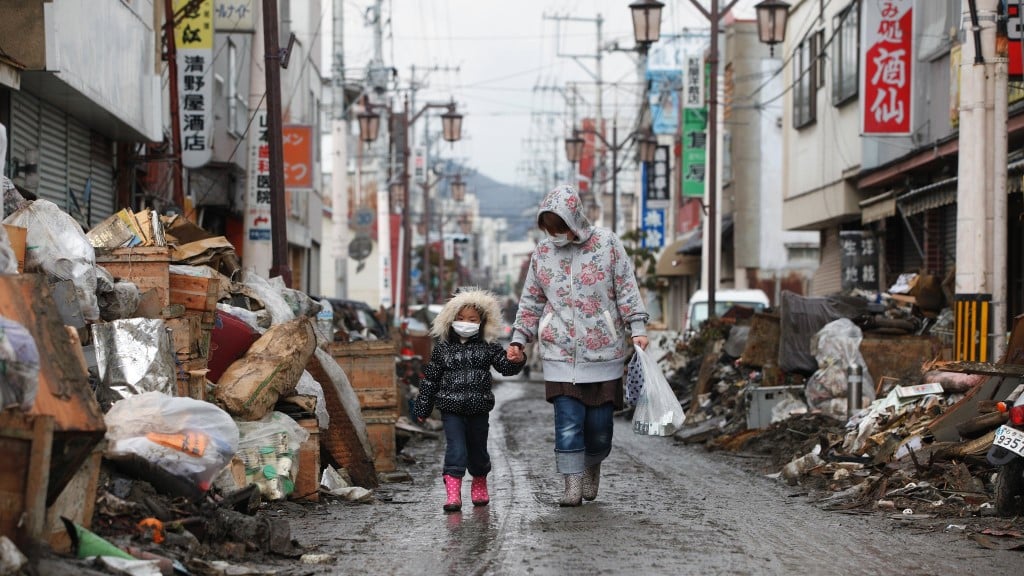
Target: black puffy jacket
(458,377)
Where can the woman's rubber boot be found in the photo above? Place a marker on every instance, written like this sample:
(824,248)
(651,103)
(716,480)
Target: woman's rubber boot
(478,491)
(453,487)
(591,480)
(573,490)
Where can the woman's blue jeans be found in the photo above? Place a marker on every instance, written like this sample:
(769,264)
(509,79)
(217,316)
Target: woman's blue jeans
(466,444)
(583,434)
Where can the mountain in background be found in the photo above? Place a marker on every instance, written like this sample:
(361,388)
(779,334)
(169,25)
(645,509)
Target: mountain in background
(516,204)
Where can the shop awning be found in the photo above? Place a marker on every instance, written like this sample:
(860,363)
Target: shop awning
(878,207)
(695,240)
(928,197)
(672,263)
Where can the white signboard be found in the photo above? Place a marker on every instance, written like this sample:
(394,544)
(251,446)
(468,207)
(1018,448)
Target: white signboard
(384,247)
(194,45)
(258,201)
(234,15)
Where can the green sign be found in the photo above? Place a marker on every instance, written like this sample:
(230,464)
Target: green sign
(695,139)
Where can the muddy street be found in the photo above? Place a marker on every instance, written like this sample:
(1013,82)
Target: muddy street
(663,508)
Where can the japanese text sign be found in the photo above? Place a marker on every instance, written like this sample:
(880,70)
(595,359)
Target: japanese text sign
(858,259)
(887,61)
(234,15)
(695,139)
(258,204)
(194,37)
(297,148)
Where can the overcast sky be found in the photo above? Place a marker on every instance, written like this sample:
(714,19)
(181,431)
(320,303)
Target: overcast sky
(506,54)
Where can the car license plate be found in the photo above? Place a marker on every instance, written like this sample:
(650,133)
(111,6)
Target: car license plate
(1011,439)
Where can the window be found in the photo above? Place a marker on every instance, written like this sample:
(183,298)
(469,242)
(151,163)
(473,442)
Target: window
(806,85)
(845,55)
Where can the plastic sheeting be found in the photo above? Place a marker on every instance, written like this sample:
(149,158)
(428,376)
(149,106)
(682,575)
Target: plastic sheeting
(19,366)
(836,347)
(134,356)
(58,247)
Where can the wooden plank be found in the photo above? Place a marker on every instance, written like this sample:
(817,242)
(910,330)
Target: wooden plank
(899,357)
(984,368)
(26,444)
(146,267)
(763,341)
(76,502)
(194,292)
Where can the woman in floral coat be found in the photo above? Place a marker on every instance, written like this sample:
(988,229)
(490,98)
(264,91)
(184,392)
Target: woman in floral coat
(579,300)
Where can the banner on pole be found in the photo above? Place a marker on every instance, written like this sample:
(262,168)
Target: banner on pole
(887,56)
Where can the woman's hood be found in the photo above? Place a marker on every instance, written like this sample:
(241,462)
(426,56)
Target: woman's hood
(484,301)
(566,203)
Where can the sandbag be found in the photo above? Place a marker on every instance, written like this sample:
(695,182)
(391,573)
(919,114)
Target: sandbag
(273,364)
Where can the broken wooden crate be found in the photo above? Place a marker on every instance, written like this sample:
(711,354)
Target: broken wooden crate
(370,367)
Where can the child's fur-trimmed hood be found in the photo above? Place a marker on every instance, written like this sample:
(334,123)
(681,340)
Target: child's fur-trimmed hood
(485,302)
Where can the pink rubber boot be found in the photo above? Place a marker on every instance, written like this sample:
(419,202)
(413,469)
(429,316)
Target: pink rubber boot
(478,491)
(453,486)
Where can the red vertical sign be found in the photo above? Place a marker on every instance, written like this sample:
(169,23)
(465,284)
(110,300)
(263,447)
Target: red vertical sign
(297,149)
(887,55)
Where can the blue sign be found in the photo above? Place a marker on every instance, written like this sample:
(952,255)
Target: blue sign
(259,234)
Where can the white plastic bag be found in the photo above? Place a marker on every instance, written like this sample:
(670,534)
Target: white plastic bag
(634,380)
(189,439)
(269,450)
(658,413)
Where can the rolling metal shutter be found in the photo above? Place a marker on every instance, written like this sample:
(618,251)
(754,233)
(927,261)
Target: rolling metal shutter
(828,276)
(70,156)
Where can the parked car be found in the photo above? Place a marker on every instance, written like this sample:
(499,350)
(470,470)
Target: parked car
(356,320)
(697,310)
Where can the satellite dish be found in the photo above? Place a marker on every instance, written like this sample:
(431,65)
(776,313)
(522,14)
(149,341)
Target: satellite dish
(360,247)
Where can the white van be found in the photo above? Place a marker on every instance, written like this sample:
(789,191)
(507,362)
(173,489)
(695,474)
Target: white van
(697,309)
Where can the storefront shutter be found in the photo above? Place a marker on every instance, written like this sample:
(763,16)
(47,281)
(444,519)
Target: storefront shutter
(69,156)
(827,278)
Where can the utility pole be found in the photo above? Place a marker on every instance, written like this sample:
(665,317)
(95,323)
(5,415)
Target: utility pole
(981,188)
(278,220)
(172,73)
(339,163)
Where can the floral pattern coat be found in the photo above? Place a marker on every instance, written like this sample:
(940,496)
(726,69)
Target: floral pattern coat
(579,299)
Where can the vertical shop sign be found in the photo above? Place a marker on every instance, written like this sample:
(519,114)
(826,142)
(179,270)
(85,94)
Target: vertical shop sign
(695,138)
(665,78)
(297,149)
(193,36)
(859,260)
(258,206)
(887,60)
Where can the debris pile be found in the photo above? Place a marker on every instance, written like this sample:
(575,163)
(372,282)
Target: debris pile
(854,398)
(155,396)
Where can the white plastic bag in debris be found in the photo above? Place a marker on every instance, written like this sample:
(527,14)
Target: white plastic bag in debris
(658,412)
(836,347)
(189,439)
(270,296)
(57,246)
(19,366)
(307,386)
(269,449)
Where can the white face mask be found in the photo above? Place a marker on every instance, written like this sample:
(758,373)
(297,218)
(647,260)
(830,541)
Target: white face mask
(560,240)
(466,329)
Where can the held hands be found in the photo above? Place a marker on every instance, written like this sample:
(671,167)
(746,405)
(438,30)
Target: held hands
(515,354)
(640,341)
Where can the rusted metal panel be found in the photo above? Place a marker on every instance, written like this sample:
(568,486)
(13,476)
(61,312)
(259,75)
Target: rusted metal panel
(898,357)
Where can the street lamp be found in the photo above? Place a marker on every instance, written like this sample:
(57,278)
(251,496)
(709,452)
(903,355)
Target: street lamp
(458,189)
(645,141)
(771,22)
(369,126)
(646,23)
(451,124)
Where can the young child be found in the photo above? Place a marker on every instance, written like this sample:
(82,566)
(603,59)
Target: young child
(458,380)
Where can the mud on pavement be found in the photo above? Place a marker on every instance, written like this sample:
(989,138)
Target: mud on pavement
(664,508)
